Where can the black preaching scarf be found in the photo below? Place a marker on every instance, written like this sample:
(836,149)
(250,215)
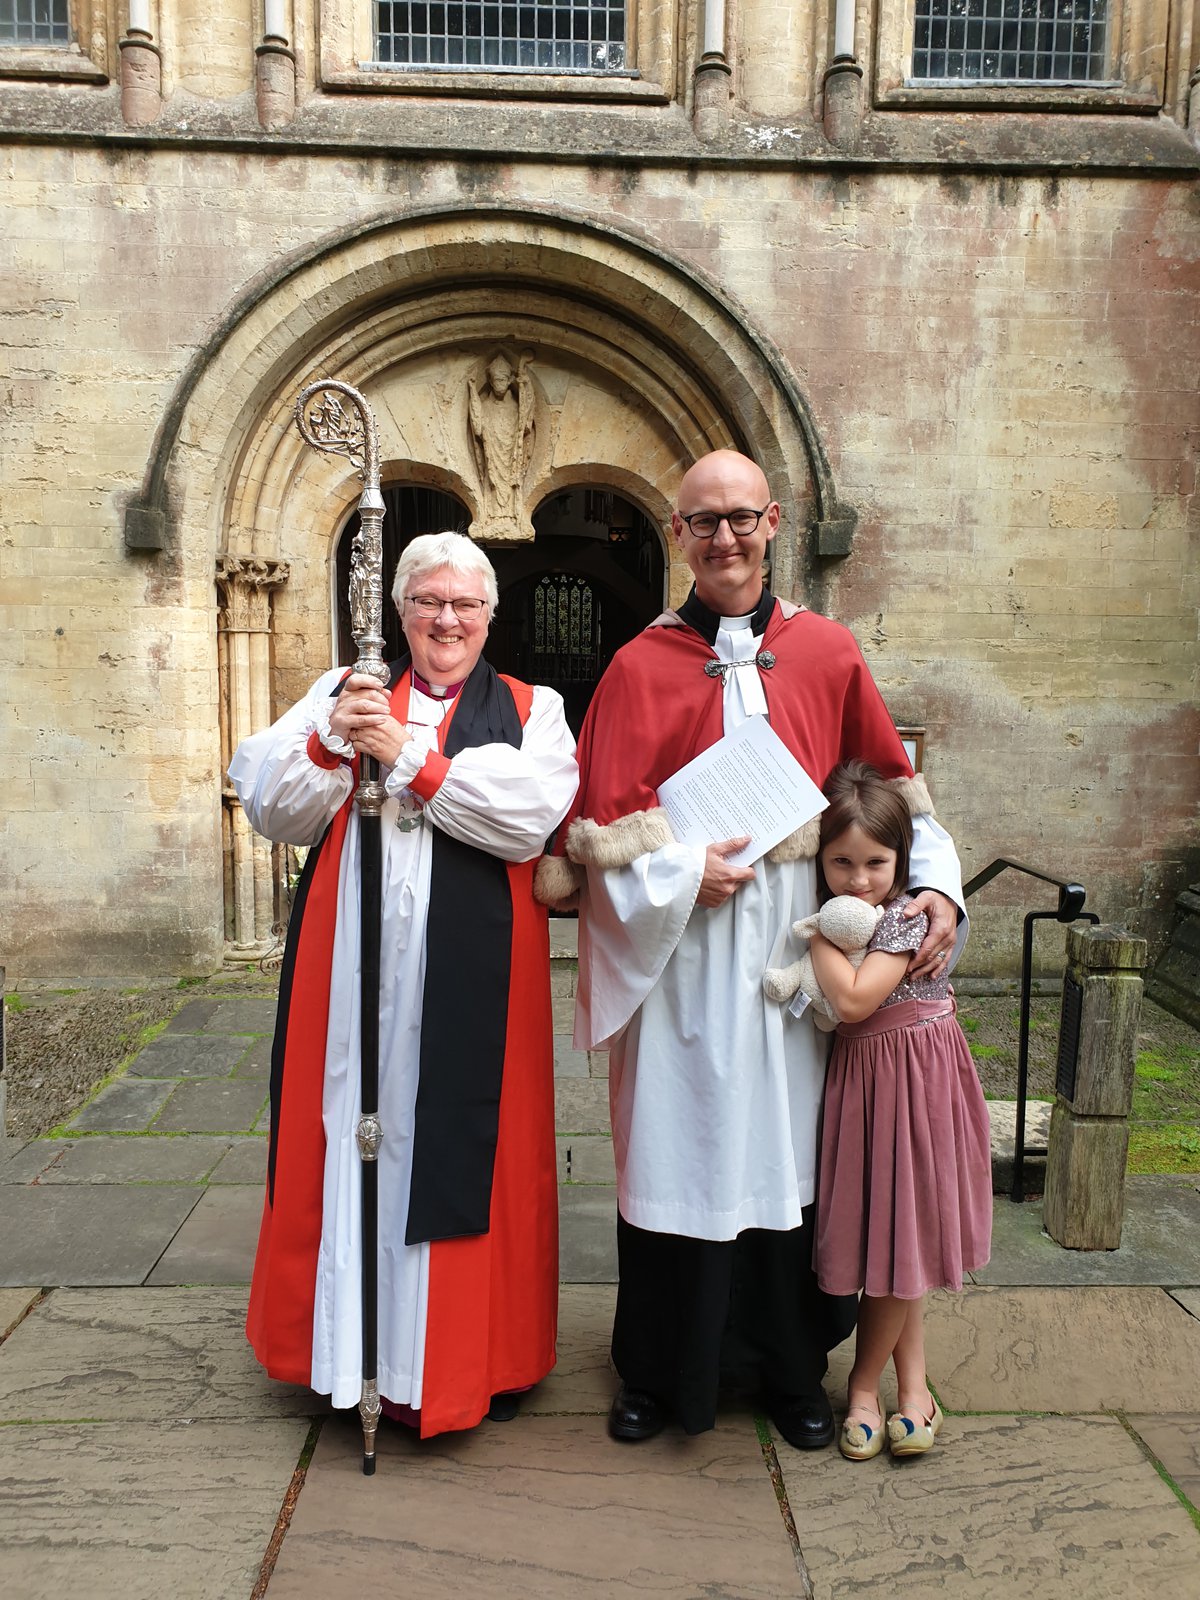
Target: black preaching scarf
(464,1018)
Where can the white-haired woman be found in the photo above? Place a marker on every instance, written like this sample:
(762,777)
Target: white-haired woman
(479,770)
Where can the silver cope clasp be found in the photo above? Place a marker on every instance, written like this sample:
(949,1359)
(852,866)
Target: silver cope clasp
(765,659)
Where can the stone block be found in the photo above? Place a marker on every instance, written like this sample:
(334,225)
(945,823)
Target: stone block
(245,1162)
(586,1158)
(1020,1507)
(14,1303)
(587,1233)
(219,1106)
(59,1234)
(97,1523)
(583,1381)
(581,1105)
(216,1243)
(541,1508)
(187,1056)
(128,1105)
(569,1062)
(1061,1349)
(1085,1179)
(139,1356)
(1174,1440)
(125,1159)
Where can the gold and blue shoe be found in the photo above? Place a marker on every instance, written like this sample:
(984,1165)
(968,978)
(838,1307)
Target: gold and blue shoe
(859,1441)
(914,1438)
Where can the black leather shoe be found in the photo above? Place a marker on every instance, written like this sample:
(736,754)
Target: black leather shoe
(634,1414)
(504,1406)
(804,1420)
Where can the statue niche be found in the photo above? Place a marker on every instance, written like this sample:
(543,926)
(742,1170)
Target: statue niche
(503,406)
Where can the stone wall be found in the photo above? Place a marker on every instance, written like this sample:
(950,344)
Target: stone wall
(999,366)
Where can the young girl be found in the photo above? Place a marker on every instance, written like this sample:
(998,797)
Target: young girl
(905,1191)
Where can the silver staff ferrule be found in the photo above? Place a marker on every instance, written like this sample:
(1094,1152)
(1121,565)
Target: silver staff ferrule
(369,1410)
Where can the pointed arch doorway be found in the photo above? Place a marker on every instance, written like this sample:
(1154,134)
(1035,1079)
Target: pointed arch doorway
(592,578)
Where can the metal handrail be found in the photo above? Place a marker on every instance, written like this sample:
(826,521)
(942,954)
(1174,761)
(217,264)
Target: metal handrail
(1071,899)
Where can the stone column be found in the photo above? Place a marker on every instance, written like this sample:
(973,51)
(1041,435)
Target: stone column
(246,585)
(712,80)
(141,68)
(1089,1127)
(275,68)
(843,90)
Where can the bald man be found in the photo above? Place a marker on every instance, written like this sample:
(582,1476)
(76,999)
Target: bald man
(715,1090)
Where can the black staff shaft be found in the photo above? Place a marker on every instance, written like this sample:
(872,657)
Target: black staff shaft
(370,890)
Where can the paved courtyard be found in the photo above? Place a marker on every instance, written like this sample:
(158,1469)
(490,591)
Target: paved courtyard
(143,1453)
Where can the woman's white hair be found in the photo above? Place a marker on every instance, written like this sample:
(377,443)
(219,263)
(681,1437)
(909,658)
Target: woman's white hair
(431,552)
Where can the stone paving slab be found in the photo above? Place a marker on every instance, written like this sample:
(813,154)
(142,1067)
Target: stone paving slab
(246,1162)
(255,1061)
(140,1355)
(1073,1349)
(231,1105)
(569,1062)
(216,1244)
(57,1233)
(1004,1508)
(113,1511)
(188,1055)
(129,1105)
(1189,1299)
(13,1305)
(581,1105)
(1160,1241)
(539,1508)
(587,1233)
(563,1009)
(585,1158)
(193,1017)
(582,1382)
(123,1158)
(243,1015)
(1175,1440)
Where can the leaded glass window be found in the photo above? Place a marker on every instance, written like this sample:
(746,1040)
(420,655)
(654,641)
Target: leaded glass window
(484,35)
(35,22)
(1010,41)
(566,641)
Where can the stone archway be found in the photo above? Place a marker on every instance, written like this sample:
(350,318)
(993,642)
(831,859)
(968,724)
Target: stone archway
(633,367)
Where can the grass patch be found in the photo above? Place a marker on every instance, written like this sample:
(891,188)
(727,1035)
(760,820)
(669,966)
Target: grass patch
(13,1002)
(968,1024)
(1150,1067)
(985,1052)
(1168,1147)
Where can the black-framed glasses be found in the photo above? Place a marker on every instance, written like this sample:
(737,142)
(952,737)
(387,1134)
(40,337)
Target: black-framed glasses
(432,605)
(704,524)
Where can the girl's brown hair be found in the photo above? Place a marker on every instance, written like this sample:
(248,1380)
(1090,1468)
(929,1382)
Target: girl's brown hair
(859,794)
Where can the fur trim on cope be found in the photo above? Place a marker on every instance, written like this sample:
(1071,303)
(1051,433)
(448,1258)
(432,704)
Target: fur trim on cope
(620,842)
(915,795)
(799,846)
(556,883)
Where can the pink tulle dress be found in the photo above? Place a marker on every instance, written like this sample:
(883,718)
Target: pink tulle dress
(905,1179)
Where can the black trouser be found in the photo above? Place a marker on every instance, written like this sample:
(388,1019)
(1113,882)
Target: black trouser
(746,1313)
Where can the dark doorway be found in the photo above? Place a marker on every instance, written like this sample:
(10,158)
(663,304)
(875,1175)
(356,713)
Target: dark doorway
(408,511)
(592,579)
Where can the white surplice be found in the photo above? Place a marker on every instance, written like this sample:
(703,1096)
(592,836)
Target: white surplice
(715,1090)
(498,797)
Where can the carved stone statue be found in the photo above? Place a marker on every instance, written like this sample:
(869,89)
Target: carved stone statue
(501,414)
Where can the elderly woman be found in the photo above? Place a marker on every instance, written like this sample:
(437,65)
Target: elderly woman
(479,769)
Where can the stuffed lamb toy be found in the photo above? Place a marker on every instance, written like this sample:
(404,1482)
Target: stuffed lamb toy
(847,922)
